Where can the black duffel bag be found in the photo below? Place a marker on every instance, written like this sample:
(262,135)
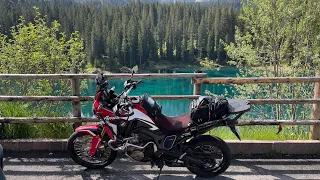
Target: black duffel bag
(208,108)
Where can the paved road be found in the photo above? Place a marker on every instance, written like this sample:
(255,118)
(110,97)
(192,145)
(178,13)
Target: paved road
(44,166)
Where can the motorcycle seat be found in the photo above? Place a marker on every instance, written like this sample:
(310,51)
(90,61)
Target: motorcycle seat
(175,124)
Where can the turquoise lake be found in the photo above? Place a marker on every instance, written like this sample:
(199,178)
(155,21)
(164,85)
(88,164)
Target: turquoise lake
(166,86)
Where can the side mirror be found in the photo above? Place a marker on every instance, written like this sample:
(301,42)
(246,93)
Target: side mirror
(101,80)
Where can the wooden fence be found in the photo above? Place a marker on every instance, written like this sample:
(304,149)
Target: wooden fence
(197,79)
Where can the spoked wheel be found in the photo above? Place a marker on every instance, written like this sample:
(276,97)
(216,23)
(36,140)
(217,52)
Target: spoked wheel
(78,148)
(209,158)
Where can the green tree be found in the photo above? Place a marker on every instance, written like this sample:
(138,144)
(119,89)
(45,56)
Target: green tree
(210,45)
(202,38)
(36,48)
(191,29)
(117,27)
(280,38)
(133,41)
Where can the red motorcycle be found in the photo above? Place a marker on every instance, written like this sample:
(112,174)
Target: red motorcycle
(137,127)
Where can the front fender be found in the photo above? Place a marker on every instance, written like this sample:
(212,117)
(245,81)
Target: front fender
(90,129)
(95,129)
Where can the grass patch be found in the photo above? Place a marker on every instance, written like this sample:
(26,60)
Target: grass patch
(25,131)
(264,133)
(32,130)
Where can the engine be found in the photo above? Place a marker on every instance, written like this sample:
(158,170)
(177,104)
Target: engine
(138,150)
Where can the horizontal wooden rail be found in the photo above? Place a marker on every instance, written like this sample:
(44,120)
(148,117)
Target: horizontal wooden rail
(277,122)
(15,120)
(254,80)
(92,76)
(156,97)
(45,98)
(86,98)
(284,101)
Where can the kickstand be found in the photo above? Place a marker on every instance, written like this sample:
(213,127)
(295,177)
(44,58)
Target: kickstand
(159,173)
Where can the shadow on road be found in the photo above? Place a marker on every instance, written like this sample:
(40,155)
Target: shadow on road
(189,177)
(59,166)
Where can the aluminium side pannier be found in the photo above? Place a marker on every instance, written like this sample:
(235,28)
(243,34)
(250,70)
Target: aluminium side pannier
(208,108)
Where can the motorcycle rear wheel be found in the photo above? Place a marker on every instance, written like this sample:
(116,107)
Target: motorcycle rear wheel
(208,157)
(78,149)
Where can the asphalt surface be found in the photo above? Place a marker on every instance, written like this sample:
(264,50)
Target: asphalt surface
(44,166)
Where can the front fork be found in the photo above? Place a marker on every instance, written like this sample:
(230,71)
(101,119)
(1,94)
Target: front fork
(95,143)
(97,136)
(96,140)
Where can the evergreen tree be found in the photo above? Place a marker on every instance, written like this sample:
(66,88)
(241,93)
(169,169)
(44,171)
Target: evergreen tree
(136,32)
(202,38)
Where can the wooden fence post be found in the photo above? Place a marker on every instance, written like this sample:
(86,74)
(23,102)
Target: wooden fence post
(315,129)
(197,88)
(76,107)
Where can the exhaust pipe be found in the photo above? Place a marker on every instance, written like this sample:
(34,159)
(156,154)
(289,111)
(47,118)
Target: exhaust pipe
(110,142)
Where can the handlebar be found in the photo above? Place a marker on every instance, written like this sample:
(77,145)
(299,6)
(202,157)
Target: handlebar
(124,104)
(128,87)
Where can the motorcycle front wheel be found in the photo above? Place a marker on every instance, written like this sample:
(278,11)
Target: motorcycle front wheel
(78,149)
(208,157)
